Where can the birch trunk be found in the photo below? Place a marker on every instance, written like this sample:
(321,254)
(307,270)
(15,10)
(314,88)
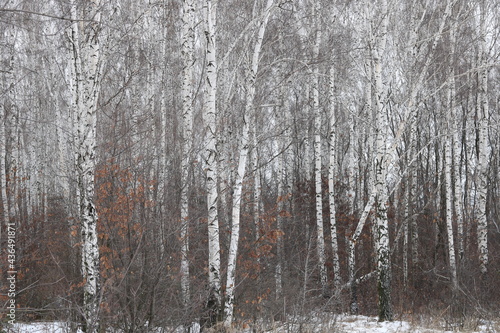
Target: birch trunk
(9,123)
(406,202)
(256,181)
(449,210)
(86,57)
(3,172)
(320,239)
(238,186)
(331,185)
(187,51)
(280,203)
(483,154)
(413,221)
(456,140)
(4,109)
(13,162)
(214,302)
(162,135)
(381,167)
(235,223)
(306,174)
(448,169)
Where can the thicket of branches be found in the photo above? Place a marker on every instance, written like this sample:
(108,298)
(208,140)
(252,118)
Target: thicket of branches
(351,100)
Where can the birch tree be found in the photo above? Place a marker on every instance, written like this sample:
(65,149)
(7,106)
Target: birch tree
(4,106)
(482,138)
(3,173)
(280,203)
(381,165)
(407,131)
(187,51)
(320,239)
(411,116)
(448,167)
(9,110)
(86,59)
(331,183)
(457,146)
(240,173)
(214,302)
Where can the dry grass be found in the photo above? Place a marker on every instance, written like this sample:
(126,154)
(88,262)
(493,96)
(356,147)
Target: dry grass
(443,323)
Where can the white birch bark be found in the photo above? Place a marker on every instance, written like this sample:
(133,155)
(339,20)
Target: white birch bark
(256,180)
(406,202)
(162,134)
(306,174)
(3,172)
(456,143)
(448,170)
(280,203)
(14,167)
(214,302)
(331,184)
(483,154)
(235,223)
(240,173)
(10,127)
(4,106)
(381,166)
(413,221)
(187,52)
(351,173)
(75,73)
(320,239)
(86,57)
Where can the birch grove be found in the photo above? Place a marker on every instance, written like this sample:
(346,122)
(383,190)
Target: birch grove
(228,165)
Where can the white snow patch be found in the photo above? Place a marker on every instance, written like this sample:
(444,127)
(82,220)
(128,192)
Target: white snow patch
(312,324)
(40,327)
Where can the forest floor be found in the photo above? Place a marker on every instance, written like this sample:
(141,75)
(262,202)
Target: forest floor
(317,324)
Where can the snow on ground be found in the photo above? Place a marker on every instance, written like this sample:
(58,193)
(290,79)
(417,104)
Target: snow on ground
(353,324)
(39,327)
(311,324)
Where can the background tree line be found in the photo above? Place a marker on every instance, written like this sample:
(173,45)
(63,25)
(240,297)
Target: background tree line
(172,161)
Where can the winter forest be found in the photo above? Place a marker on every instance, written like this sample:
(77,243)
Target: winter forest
(164,162)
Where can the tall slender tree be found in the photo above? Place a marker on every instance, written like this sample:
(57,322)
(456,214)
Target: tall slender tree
(86,59)
(187,50)
(448,168)
(331,183)
(483,153)
(381,165)
(240,173)
(320,239)
(214,301)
